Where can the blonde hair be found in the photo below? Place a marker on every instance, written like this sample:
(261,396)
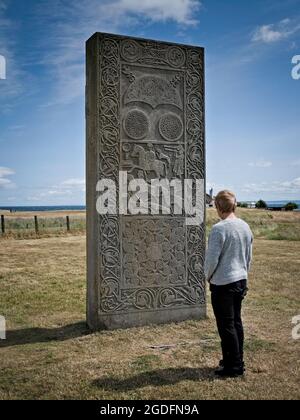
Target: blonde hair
(225,201)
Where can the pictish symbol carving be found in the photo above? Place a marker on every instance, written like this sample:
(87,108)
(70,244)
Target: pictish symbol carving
(130,50)
(150,160)
(170,127)
(136,124)
(147,160)
(194,115)
(179,162)
(176,56)
(150,249)
(110,76)
(176,80)
(153,91)
(152,53)
(149,263)
(128,73)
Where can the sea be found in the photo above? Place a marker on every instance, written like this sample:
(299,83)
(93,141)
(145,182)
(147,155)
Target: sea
(279,203)
(41,208)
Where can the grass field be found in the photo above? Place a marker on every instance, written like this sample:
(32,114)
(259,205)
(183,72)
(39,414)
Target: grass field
(265,224)
(49,353)
(21,225)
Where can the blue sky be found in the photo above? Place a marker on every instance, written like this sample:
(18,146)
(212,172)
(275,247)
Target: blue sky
(252,101)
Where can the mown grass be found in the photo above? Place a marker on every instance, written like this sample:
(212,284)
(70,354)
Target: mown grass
(49,353)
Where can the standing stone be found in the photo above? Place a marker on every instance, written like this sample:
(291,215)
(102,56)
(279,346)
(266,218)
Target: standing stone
(145,115)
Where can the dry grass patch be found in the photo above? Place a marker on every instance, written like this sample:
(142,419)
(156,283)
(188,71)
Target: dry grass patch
(49,353)
(272,225)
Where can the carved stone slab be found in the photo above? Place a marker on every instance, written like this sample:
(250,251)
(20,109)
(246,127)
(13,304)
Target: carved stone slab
(145,115)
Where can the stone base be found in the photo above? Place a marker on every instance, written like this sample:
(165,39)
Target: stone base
(122,321)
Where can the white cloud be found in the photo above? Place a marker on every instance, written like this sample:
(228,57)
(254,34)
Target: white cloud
(4,173)
(57,192)
(71,24)
(61,50)
(180,11)
(271,33)
(14,85)
(281,187)
(4,183)
(70,188)
(74,182)
(217,187)
(261,163)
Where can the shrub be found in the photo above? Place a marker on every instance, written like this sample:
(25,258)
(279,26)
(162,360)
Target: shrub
(261,204)
(290,206)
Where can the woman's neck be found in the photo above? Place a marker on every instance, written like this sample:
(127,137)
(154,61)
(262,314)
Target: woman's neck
(228,216)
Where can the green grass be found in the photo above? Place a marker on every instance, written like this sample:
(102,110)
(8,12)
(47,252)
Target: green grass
(265,224)
(24,227)
(281,232)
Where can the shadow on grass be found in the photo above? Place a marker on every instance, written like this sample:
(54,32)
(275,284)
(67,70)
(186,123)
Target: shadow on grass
(158,377)
(44,335)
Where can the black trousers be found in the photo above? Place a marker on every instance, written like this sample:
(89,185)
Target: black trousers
(227,306)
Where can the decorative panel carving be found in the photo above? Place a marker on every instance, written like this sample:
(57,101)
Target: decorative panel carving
(150,123)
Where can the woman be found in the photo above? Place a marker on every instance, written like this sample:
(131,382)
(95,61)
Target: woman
(227,265)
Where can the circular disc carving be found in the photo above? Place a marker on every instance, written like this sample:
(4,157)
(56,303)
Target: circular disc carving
(176,57)
(170,127)
(130,50)
(136,124)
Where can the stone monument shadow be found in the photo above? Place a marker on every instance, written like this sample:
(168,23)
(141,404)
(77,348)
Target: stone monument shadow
(44,335)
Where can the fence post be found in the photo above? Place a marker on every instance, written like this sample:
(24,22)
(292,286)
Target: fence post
(68,223)
(36,224)
(2,224)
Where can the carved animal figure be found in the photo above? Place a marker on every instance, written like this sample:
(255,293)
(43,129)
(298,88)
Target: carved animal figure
(148,162)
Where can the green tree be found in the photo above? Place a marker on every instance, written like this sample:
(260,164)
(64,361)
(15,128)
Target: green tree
(261,204)
(290,206)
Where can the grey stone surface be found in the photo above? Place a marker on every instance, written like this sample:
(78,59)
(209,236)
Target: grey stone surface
(145,115)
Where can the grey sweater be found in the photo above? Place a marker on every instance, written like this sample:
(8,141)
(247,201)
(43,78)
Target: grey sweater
(229,252)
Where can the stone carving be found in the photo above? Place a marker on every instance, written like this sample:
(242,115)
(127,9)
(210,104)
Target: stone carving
(195,115)
(179,162)
(154,253)
(152,53)
(176,80)
(176,56)
(170,127)
(147,160)
(136,124)
(147,119)
(153,160)
(128,73)
(153,91)
(131,50)
(158,99)
(109,110)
